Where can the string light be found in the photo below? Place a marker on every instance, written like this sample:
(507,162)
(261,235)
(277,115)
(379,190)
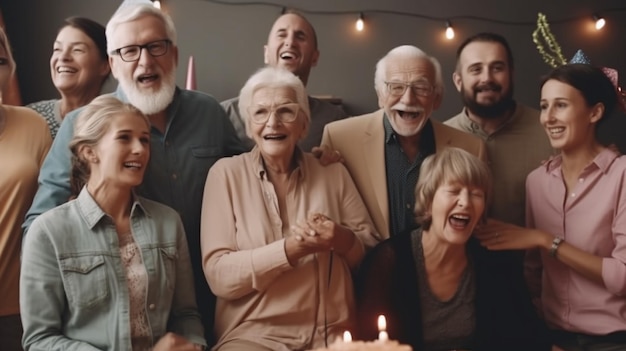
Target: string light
(449,31)
(157,4)
(600,22)
(359,23)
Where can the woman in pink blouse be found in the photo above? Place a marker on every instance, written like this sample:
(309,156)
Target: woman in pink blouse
(280,233)
(576,207)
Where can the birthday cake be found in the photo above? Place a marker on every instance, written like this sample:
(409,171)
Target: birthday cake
(376,345)
(381,344)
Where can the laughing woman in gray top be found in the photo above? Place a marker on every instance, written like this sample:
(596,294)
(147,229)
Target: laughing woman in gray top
(438,288)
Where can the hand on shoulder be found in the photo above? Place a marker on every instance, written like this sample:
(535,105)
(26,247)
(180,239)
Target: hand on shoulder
(326,155)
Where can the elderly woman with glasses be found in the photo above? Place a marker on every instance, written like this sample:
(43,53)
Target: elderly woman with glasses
(281,234)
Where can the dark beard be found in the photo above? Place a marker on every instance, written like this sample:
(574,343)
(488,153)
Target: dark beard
(491,111)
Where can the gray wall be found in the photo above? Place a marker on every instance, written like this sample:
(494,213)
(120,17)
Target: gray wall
(227,41)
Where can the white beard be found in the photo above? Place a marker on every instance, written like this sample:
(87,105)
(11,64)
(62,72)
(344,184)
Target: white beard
(150,102)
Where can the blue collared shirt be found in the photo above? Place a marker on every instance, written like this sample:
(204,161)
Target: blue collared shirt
(74,289)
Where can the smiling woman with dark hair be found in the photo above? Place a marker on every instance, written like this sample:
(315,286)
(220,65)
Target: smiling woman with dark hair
(576,212)
(79,67)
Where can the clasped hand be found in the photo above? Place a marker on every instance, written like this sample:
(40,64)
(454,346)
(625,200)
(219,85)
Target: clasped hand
(317,233)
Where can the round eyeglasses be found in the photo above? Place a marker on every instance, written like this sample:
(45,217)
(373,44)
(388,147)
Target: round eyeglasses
(417,89)
(132,53)
(286,113)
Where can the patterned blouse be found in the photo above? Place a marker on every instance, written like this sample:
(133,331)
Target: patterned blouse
(137,279)
(51,112)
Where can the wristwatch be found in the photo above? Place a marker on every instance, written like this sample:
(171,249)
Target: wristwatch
(555,245)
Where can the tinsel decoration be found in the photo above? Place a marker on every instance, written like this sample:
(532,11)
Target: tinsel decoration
(546,43)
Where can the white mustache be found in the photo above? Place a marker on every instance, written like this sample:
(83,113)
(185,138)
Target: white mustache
(414,109)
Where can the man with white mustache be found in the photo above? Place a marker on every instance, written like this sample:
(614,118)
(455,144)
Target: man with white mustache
(189,131)
(516,142)
(384,150)
(292,45)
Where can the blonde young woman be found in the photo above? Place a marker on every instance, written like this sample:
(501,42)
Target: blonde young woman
(109,270)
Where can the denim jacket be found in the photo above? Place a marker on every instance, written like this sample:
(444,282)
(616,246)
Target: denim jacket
(198,133)
(73,287)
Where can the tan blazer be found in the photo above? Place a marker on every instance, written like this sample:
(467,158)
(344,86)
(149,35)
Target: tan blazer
(361,140)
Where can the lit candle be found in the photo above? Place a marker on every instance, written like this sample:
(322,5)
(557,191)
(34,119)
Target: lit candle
(382,323)
(382,328)
(347,337)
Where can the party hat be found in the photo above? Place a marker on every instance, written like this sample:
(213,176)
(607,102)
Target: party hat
(580,57)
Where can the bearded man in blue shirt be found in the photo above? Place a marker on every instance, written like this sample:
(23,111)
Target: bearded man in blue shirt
(189,131)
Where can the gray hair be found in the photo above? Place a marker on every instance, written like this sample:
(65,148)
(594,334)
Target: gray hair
(132,12)
(273,77)
(409,52)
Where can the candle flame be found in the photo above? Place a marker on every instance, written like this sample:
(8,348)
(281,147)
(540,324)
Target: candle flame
(347,337)
(382,323)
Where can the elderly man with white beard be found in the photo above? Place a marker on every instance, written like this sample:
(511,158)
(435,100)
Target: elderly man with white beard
(189,132)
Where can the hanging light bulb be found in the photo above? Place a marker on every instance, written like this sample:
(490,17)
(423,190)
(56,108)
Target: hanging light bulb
(157,4)
(600,22)
(449,31)
(359,23)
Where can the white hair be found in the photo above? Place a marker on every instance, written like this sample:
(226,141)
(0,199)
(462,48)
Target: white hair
(133,11)
(407,52)
(273,77)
